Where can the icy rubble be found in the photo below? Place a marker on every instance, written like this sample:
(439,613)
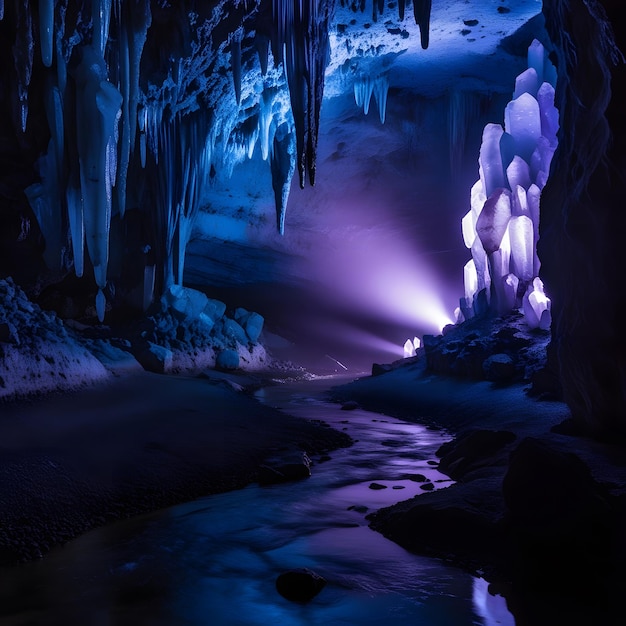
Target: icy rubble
(37,352)
(502,226)
(187,332)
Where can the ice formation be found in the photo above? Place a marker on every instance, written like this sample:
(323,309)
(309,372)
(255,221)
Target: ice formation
(502,226)
(176,123)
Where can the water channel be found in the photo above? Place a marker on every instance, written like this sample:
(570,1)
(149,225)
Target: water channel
(214,561)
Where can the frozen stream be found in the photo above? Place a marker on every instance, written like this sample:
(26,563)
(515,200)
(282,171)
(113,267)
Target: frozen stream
(214,561)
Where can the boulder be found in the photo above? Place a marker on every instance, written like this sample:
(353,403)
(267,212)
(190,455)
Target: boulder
(380,368)
(227,360)
(154,358)
(562,523)
(288,467)
(499,368)
(299,585)
(184,302)
(253,326)
(234,332)
(472,450)
(214,309)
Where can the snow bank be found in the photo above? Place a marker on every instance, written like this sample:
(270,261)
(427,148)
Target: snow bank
(37,352)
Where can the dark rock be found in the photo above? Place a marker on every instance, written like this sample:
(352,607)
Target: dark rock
(470,22)
(299,585)
(427,487)
(472,450)
(358,508)
(294,467)
(398,487)
(499,368)
(561,522)
(349,406)
(153,358)
(377,486)
(417,478)
(378,368)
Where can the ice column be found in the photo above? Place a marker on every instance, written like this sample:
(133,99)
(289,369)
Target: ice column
(501,227)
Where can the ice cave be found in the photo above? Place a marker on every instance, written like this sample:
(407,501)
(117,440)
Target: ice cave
(310,312)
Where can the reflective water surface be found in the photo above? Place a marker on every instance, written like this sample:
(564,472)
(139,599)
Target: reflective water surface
(215,560)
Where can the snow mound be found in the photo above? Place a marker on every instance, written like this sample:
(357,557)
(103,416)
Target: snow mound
(37,352)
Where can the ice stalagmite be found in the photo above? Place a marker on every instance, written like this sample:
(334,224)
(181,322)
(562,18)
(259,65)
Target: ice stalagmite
(490,159)
(549,113)
(523,122)
(514,165)
(519,202)
(468,225)
(46,30)
(522,247)
(526,82)
(493,220)
(518,173)
(470,280)
(536,58)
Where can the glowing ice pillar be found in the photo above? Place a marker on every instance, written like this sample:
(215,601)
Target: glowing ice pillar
(501,227)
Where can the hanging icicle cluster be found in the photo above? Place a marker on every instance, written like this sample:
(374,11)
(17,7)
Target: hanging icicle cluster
(146,131)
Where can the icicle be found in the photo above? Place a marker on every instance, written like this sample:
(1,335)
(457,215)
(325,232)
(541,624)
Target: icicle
(125,141)
(46,30)
(265,121)
(100,305)
(401,7)
(23,61)
(381,89)
(142,119)
(101,16)
(77,225)
(262,43)
(235,61)
(148,286)
(421,10)
(282,162)
(97,110)
(1,10)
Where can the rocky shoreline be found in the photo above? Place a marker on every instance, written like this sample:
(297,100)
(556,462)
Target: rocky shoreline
(537,509)
(75,461)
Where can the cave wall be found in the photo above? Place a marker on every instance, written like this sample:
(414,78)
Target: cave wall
(583,221)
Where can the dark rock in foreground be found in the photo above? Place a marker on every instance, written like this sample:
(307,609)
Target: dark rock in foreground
(299,585)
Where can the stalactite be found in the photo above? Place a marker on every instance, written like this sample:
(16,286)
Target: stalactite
(46,30)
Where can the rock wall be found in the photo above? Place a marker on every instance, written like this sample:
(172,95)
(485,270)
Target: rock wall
(583,223)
